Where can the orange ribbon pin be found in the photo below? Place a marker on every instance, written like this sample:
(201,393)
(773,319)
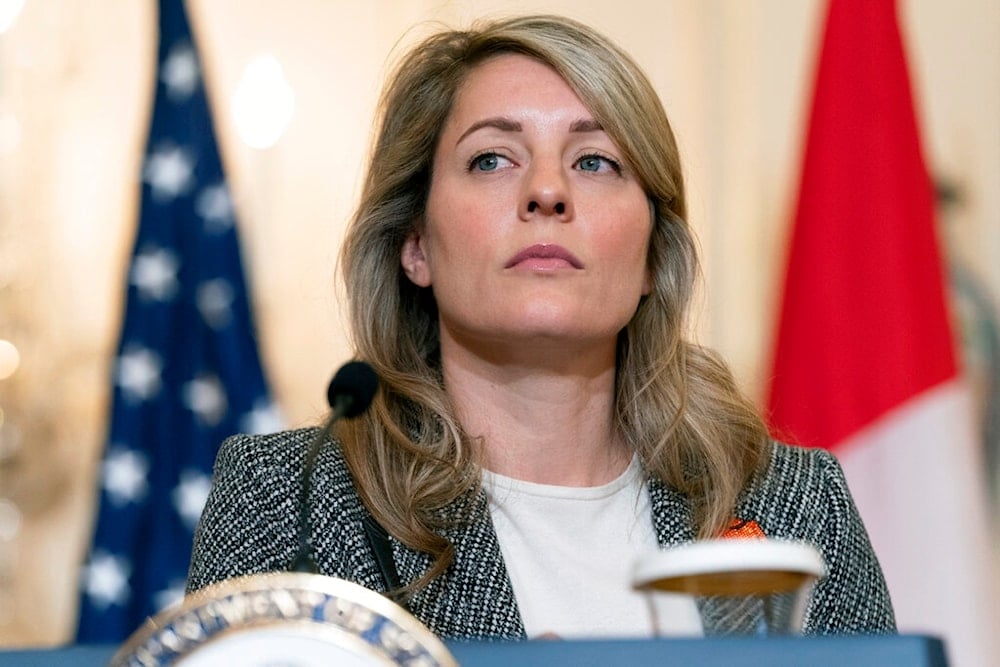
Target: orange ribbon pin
(742,528)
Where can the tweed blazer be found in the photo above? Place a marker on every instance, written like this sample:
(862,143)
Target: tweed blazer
(250,523)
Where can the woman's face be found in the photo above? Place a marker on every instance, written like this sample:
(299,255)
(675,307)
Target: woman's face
(535,229)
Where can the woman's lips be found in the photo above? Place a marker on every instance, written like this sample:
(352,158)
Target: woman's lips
(544,256)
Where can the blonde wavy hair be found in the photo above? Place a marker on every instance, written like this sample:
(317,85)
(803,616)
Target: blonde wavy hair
(677,404)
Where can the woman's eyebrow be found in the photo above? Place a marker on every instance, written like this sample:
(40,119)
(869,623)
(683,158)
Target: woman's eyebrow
(505,124)
(499,122)
(585,125)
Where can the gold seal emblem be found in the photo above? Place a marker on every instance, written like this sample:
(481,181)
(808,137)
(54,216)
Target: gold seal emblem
(284,619)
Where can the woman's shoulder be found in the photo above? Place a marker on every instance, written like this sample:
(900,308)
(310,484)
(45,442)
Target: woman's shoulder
(251,520)
(797,487)
(273,463)
(802,494)
(790,465)
(280,449)
(290,441)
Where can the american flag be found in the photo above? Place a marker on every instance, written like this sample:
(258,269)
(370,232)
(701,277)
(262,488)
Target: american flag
(187,372)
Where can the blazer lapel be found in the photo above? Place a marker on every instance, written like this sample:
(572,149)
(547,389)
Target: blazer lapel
(474,598)
(671,514)
(674,523)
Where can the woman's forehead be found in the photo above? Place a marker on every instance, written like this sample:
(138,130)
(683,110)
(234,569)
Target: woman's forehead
(509,89)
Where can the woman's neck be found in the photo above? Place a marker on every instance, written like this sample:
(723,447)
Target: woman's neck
(548,422)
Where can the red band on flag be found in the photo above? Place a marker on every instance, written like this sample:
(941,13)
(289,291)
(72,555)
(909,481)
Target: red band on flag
(864,324)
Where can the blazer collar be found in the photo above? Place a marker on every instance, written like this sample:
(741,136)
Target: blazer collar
(672,517)
(474,598)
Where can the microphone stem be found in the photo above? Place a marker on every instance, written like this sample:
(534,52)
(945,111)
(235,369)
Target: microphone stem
(304,560)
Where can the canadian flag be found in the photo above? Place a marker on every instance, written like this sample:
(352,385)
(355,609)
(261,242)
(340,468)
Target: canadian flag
(865,362)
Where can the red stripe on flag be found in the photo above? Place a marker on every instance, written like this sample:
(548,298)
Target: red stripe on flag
(864,324)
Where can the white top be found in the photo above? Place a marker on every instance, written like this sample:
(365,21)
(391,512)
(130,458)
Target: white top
(570,552)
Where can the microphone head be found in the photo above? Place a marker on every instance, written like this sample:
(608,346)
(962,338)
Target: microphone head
(352,388)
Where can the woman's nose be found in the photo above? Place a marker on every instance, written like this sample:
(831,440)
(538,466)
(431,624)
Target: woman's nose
(546,192)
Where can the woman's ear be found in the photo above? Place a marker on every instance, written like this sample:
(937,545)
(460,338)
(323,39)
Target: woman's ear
(414,261)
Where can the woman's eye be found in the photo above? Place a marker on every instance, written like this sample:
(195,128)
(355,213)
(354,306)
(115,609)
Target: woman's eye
(597,163)
(486,162)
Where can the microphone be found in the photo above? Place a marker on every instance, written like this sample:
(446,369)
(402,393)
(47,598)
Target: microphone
(349,394)
(351,390)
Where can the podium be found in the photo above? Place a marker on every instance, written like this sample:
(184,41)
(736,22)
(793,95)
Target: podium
(307,619)
(896,650)
(857,651)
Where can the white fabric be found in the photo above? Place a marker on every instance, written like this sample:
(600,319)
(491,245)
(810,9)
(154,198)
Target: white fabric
(569,552)
(916,478)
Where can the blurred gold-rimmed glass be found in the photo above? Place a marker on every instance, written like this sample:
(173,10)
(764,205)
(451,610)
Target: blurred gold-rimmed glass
(740,586)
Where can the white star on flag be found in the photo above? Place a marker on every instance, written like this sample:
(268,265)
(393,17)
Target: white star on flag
(106,580)
(169,170)
(190,494)
(214,205)
(124,475)
(179,72)
(215,300)
(206,397)
(138,374)
(264,418)
(154,274)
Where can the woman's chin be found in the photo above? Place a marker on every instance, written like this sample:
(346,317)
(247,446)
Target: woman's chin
(544,341)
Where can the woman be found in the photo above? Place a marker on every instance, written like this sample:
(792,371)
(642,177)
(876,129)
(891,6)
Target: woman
(519,271)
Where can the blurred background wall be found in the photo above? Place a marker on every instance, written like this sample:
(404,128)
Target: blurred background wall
(75,93)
